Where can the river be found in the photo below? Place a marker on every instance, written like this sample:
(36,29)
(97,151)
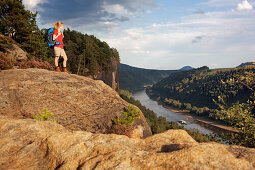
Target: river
(169,115)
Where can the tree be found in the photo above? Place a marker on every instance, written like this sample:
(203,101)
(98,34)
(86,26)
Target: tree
(87,55)
(187,106)
(15,20)
(36,45)
(20,24)
(239,114)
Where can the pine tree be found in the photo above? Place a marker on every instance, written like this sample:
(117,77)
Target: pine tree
(20,24)
(15,21)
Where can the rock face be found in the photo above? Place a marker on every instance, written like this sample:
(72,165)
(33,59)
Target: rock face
(77,102)
(111,77)
(30,144)
(12,49)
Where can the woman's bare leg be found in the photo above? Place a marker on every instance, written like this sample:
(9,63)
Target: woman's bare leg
(56,61)
(65,60)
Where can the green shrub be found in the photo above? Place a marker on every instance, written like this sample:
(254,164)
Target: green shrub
(194,110)
(123,125)
(125,93)
(44,116)
(200,137)
(4,43)
(187,106)
(128,117)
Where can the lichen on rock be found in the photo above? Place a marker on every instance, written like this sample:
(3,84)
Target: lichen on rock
(77,102)
(30,144)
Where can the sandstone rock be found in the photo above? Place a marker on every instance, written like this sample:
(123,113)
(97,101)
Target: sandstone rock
(77,102)
(111,77)
(29,144)
(17,52)
(13,50)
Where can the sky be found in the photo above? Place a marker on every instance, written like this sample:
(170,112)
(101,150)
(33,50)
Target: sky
(161,34)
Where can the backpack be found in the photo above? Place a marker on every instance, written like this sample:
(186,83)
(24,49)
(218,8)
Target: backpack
(50,40)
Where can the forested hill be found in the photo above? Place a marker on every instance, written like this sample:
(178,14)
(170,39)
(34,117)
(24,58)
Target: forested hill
(87,55)
(133,78)
(199,87)
(246,64)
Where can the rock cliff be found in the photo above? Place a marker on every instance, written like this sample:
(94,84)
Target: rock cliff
(77,102)
(30,144)
(111,77)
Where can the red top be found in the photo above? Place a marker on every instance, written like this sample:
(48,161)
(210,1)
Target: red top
(59,39)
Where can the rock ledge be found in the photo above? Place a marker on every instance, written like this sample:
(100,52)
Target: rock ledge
(77,102)
(29,144)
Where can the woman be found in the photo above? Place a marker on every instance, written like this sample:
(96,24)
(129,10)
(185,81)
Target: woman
(59,47)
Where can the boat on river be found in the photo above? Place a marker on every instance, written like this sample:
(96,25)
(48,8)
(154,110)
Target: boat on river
(183,122)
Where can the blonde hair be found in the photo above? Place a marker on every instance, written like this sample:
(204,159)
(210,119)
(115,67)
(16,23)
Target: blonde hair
(58,25)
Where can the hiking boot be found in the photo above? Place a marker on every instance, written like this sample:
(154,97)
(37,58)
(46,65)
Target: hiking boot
(66,71)
(58,69)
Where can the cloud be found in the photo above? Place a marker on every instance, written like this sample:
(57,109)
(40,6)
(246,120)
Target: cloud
(98,15)
(117,9)
(245,5)
(33,4)
(216,39)
(221,3)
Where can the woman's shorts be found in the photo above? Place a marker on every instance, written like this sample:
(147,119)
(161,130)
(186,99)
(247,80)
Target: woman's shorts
(59,52)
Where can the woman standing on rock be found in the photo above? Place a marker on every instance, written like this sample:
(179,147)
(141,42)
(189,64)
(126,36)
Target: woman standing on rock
(59,47)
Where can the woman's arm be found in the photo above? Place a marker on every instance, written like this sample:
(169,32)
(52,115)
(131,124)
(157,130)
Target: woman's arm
(56,36)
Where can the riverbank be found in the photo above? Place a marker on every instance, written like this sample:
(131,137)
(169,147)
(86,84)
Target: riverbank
(214,125)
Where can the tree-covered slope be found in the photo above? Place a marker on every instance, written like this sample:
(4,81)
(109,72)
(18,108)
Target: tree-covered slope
(87,54)
(246,64)
(133,78)
(200,86)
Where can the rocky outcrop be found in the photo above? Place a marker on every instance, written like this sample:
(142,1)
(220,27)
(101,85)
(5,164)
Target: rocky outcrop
(11,48)
(111,76)
(30,144)
(77,102)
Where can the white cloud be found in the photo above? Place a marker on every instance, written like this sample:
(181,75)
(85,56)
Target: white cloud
(221,3)
(136,33)
(216,39)
(32,4)
(128,7)
(245,5)
(116,8)
(95,17)
(226,41)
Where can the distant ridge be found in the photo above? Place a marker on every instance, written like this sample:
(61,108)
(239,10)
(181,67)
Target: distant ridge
(134,78)
(246,64)
(186,68)
(128,68)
